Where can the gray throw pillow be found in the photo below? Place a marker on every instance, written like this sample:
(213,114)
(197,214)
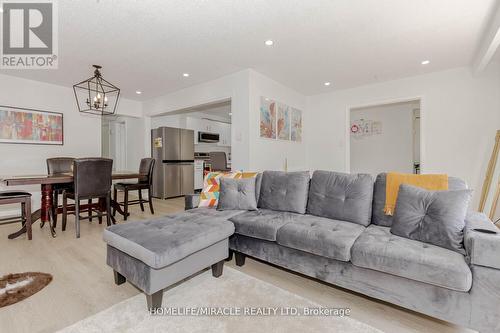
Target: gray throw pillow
(435,217)
(237,194)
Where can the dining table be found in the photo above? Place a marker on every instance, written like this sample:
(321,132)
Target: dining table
(46,212)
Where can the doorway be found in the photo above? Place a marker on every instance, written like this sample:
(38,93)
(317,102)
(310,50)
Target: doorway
(385,137)
(113,142)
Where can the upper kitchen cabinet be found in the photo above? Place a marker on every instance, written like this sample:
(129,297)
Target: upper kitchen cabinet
(225,134)
(210,126)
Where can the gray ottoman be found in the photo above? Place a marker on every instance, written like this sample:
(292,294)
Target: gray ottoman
(155,254)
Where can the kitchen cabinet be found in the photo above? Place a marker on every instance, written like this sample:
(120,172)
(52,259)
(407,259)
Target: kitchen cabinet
(205,125)
(225,135)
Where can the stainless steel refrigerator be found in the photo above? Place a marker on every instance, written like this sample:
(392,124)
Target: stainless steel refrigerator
(173,150)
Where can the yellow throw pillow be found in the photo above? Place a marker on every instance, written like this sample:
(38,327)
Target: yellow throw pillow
(242,175)
(429,182)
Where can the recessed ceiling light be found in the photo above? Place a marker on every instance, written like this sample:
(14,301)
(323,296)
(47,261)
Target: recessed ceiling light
(269,42)
(138,92)
(327,83)
(426,62)
(185,74)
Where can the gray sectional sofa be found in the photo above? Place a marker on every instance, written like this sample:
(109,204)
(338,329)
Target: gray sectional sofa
(332,228)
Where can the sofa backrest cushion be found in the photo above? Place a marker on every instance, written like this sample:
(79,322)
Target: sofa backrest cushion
(378,215)
(284,191)
(341,196)
(258,183)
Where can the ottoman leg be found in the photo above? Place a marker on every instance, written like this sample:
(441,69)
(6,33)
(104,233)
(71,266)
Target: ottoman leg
(119,279)
(154,300)
(239,258)
(217,269)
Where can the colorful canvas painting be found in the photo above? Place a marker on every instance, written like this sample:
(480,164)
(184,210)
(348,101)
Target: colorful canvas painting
(296,125)
(283,123)
(30,126)
(267,118)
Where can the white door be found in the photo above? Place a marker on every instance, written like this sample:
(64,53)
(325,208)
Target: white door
(117,145)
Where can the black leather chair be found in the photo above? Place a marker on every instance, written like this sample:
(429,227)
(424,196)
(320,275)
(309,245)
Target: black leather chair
(92,180)
(24,198)
(57,166)
(145,183)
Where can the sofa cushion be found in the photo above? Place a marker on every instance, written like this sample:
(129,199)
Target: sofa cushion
(284,191)
(237,194)
(341,196)
(376,248)
(209,212)
(262,224)
(435,217)
(166,240)
(378,215)
(321,236)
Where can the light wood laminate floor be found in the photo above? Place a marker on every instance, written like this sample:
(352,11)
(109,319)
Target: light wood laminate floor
(83,283)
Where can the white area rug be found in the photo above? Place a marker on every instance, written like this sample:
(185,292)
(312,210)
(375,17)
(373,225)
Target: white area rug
(232,292)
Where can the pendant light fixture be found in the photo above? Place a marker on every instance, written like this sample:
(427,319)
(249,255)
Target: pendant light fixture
(96,95)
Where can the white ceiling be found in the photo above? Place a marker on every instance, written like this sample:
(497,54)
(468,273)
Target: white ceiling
(147,44)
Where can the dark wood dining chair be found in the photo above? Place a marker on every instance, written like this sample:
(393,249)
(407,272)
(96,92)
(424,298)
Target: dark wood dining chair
(145,183)
(218,161)
(92,180)
(24,198)
(57,166)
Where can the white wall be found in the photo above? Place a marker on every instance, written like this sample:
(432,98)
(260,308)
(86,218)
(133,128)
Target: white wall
(459,116)
(175,120)
(271,154)
(234,87)
(249,151)
(392,149)
(82,133)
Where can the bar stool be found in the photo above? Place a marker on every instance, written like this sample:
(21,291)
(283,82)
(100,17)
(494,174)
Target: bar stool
(24,198)
(145,183)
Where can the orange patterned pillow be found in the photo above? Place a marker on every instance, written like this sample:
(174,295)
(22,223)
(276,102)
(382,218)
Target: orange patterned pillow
(209,197)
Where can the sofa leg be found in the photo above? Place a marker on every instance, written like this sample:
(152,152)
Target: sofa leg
(217,268)
(154,300)
(240,258)
(230,256)
(119,279)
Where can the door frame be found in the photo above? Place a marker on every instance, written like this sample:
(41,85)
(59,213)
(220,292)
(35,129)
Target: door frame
(113,124)
(419,98)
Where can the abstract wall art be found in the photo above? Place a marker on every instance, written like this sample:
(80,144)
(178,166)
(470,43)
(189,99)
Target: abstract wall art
(267,118)
(283,122)
(296,125)
(19,125)
(280,121)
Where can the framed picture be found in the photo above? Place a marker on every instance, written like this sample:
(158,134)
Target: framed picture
(29,126)
(279,121)
(267,118)
(296,125)
(283,125)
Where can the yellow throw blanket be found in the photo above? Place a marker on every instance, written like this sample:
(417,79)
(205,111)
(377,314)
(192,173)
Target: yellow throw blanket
(394,179)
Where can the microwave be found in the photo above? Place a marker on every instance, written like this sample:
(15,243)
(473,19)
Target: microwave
(208,137)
